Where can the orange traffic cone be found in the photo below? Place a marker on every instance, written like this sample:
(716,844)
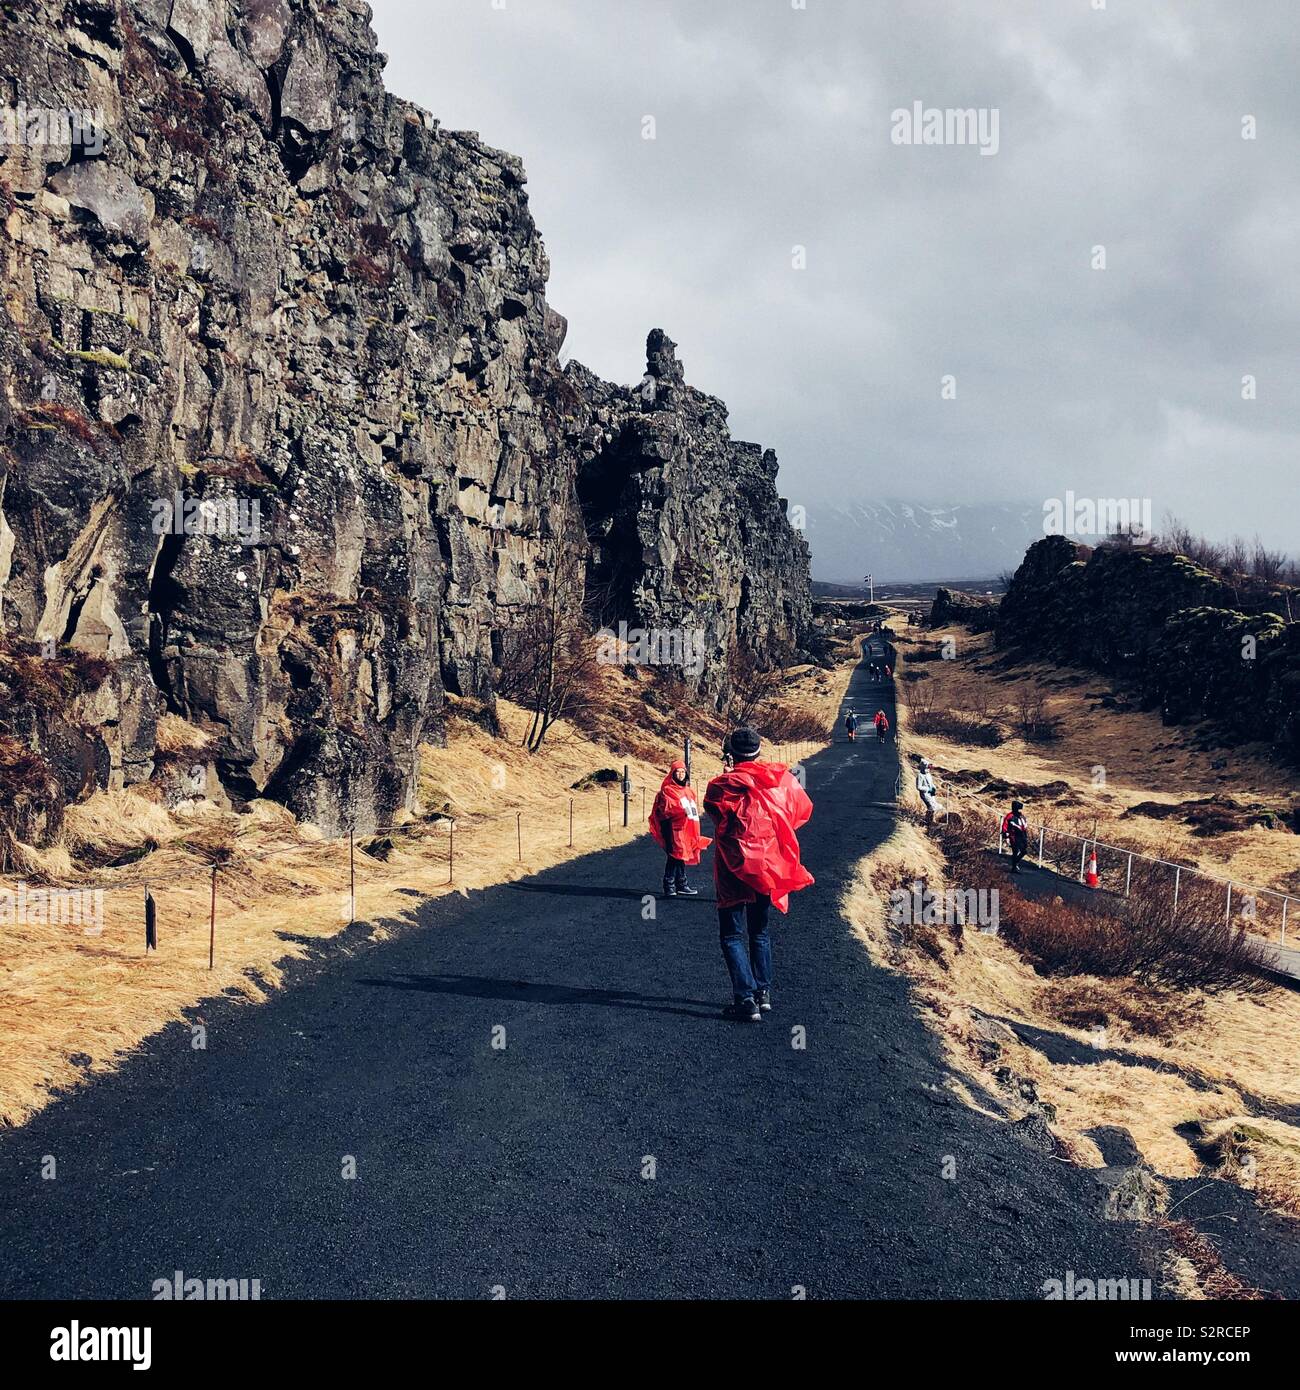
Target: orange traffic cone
(1092,879)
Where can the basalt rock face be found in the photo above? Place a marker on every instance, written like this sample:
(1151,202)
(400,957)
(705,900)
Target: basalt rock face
(283,427)
(687,533)
(1196,645)
(975,611)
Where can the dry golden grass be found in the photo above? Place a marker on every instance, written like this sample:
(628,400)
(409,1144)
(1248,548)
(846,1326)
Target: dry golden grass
(1261,1154)
(176,735)
(1240,1051)
(65,994)
(1144,760)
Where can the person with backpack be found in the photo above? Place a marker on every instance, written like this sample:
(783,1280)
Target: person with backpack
(851,725)
(756,808)
(675,825)
(1016,829)
(881,721)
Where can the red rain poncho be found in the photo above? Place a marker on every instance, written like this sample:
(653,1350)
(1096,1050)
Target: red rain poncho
(756,808)
(675,820)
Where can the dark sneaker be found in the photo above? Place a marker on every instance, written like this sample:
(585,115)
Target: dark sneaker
(763,998)
(669,891)
(684,890)
(744,1012)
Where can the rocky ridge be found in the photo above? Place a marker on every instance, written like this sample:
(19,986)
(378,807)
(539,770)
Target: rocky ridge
(280,295)
(1195,644)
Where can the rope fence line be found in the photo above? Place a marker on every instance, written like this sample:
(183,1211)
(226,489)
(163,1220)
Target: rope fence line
(1067,854)
(421,831)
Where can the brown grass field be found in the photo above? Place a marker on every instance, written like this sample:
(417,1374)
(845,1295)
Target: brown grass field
(1143,761)
(1238,1049)
(73,1004)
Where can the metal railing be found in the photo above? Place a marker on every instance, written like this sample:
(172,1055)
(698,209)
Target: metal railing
(1124,871)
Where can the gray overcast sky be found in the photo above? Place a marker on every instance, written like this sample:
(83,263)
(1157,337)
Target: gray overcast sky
(1119,127)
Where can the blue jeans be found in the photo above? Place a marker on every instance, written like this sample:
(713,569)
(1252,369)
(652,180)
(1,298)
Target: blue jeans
(746,946)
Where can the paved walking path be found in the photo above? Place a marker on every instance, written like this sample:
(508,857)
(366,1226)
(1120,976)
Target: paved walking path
(775,1167)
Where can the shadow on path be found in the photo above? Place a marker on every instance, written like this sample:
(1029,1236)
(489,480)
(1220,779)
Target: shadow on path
(485,987)
(578,890)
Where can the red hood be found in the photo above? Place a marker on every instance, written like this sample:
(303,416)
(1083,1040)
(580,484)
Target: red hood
(752,775)
(670,781)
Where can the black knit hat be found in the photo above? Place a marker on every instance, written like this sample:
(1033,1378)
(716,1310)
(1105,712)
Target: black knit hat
(743,743)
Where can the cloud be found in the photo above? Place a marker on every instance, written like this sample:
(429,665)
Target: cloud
(1118,128)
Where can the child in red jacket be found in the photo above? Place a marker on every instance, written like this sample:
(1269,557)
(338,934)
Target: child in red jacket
(675,824)
(756,809)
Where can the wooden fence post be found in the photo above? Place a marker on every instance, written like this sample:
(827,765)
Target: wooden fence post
(212,920)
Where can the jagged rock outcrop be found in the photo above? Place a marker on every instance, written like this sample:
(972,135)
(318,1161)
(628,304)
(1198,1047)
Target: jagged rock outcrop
(284,431)
(1195,644)
(975,611)
(686,528)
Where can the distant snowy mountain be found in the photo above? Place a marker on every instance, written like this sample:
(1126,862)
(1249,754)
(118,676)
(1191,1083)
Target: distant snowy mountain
(905,541)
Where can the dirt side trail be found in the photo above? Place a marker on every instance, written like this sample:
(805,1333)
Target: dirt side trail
(775,1167)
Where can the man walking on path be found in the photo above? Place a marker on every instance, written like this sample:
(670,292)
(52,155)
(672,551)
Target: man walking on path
(851,725)
(675,824)
(926,790)
(756,809)
(1016,828)
(881,721)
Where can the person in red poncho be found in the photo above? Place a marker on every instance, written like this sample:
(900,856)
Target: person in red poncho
(675,824)
(756,808)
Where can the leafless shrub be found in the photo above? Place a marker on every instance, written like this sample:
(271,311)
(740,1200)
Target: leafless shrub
(547,663)
(1268,565)
(1140,938)
(751,687)
(1033,722)
(1147,942)
(1232,559)
(960,727)
(783,723)
(932,714)
(921,701)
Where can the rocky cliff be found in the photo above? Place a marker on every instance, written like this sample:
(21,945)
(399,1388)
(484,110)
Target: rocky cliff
(284,432)
(1197,645)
